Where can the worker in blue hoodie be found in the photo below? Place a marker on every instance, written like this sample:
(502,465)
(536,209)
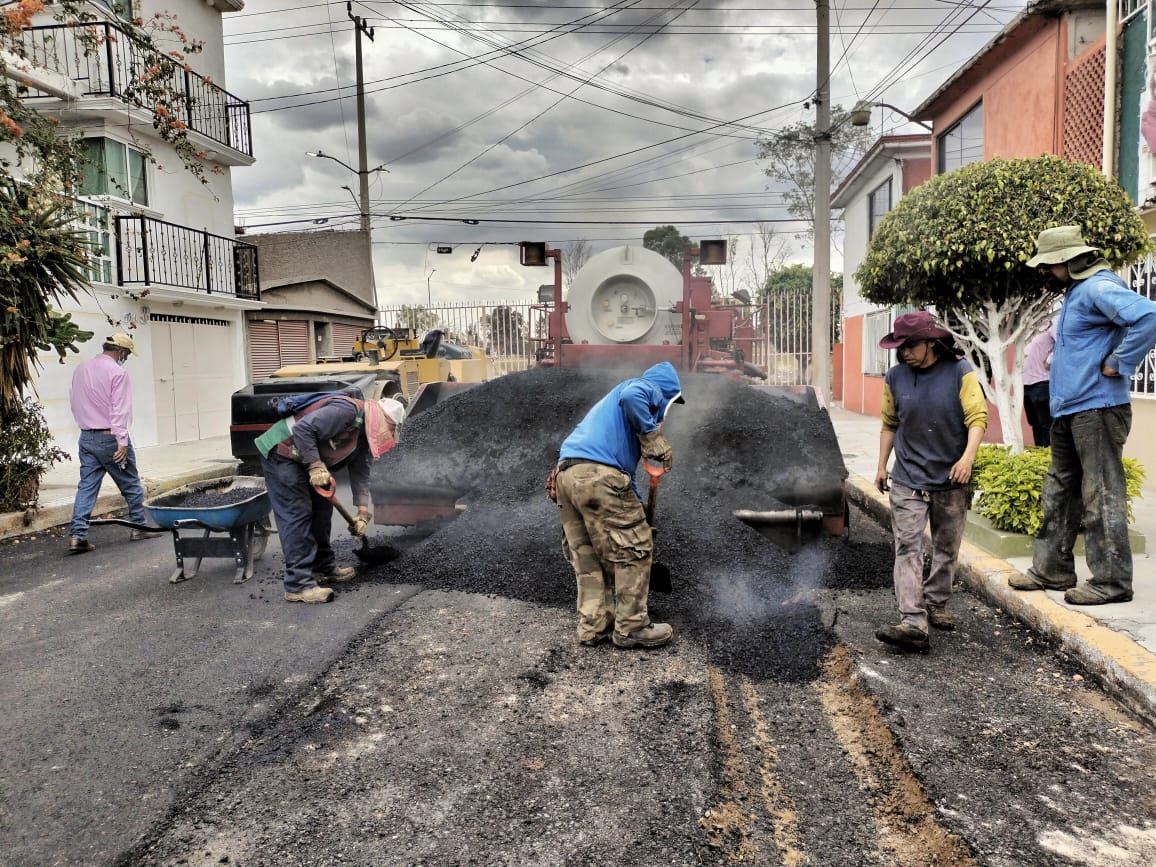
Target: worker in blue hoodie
(610,542)
(1103,333)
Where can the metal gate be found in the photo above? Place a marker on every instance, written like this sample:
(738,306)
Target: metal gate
(511,331)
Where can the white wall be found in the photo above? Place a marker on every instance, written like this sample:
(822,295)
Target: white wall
(855,239)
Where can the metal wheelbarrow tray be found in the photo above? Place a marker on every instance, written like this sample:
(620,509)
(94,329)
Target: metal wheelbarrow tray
(245,521)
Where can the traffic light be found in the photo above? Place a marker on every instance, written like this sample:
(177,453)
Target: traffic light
(532,253)
(712,252)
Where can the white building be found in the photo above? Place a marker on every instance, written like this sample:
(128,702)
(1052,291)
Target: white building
(171,272)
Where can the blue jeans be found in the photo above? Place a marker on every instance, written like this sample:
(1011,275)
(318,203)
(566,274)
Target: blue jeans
(96,451)
(304,522)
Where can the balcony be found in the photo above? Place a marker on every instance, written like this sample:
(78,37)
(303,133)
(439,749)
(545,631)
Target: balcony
(102,59)
(151,252)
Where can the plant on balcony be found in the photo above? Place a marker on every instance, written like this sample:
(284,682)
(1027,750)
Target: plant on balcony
(50,159)
(960,243)
(1010,486)
(26,454)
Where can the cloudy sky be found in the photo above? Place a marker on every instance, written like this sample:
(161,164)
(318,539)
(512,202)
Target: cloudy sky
(557,121)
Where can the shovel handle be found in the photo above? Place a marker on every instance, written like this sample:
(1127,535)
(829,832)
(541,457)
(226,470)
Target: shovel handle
(329,492)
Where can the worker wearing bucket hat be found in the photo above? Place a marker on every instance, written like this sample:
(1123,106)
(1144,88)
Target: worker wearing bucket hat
(101,400)
(934,416)
(1103,332)
(319,435)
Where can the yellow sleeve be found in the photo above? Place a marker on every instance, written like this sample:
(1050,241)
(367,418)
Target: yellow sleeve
(890,416)
(973,401)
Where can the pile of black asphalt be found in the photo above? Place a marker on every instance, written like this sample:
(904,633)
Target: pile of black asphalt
(735,447)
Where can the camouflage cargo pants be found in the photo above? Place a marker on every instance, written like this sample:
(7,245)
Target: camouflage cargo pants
(610,547)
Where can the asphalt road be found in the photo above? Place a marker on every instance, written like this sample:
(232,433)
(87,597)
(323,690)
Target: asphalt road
(209,723)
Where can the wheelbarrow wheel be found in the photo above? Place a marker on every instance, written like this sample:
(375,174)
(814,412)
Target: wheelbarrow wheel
(261,531)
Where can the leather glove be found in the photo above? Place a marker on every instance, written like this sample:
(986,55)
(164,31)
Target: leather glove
(360,524)
(319,475)
(657,448)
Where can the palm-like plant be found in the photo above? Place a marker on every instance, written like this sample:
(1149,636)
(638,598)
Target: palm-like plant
(43,261)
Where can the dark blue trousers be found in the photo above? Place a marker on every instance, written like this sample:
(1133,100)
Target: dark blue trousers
(1037,400)
(304,522)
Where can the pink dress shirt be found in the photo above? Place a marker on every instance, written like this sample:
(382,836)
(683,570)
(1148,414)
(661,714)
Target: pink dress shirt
(1038,356)
(101,397)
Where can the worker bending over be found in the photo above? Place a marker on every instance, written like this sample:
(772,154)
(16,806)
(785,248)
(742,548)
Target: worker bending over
(299,455)
(609,540)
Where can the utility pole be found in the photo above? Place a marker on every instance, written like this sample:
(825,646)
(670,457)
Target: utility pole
(359,28)
(821,271)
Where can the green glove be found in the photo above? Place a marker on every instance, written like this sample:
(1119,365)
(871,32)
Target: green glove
(657,448)
(319,475)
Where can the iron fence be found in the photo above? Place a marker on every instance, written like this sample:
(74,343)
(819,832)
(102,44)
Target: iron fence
(512,332)
(153,252)
(106,60)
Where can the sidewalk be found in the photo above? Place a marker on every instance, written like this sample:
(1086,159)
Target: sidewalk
(1116,643)
(162,468)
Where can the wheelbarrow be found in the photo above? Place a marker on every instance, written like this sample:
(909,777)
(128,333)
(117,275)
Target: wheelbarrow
(241,526)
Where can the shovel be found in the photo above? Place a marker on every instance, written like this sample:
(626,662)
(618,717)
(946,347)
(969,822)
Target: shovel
(659,572)
(368,555)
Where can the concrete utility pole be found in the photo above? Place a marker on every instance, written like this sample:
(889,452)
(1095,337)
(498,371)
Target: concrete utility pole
(821,272)
(359,28)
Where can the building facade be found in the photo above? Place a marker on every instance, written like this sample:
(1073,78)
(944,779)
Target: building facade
(167,268)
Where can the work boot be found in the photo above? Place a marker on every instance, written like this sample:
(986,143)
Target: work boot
(77,545)
(904,636)
(598,637)
(1033,580)
(1087,594)
(336,575)
(139,535)
(653,635)
(939,617)
(310,594)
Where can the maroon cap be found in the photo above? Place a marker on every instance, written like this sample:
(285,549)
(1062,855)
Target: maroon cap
(919,325)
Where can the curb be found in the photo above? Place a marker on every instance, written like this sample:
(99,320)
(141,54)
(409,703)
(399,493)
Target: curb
(36,520)
(1124,668)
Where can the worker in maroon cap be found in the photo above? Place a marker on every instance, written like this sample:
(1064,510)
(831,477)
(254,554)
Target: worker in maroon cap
(934,417)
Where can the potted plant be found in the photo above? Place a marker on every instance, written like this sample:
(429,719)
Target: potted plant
(27,452)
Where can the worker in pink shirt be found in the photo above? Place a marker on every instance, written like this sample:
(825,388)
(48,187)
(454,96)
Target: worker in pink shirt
(101,400)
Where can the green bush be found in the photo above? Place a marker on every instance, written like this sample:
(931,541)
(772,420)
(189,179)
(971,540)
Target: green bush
(26,454)
(1010,486)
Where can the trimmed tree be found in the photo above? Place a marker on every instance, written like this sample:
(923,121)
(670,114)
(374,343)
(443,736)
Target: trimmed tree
(960,243)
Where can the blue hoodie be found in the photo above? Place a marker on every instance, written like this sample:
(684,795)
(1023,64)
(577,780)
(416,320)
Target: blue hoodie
(1101,320)
(609,432)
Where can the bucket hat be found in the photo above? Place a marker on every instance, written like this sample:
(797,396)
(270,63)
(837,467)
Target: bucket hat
(919,325)
(121,341)
(383,419)
(1059,244)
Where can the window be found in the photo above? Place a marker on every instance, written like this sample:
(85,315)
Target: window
(962,143)
(876,326)
(878,204)
(96,224)
(112,168)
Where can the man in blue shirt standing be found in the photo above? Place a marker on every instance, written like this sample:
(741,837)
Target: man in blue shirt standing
(1103,332)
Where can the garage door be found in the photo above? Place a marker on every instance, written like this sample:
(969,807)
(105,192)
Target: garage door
(343,337)
(275,344)
(193,366)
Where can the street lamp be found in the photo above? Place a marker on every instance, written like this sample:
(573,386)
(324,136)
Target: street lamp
(428,291)
(362,176)
(861,113)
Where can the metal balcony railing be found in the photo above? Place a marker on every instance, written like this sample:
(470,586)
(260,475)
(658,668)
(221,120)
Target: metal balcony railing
(105,60)
(153,252)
